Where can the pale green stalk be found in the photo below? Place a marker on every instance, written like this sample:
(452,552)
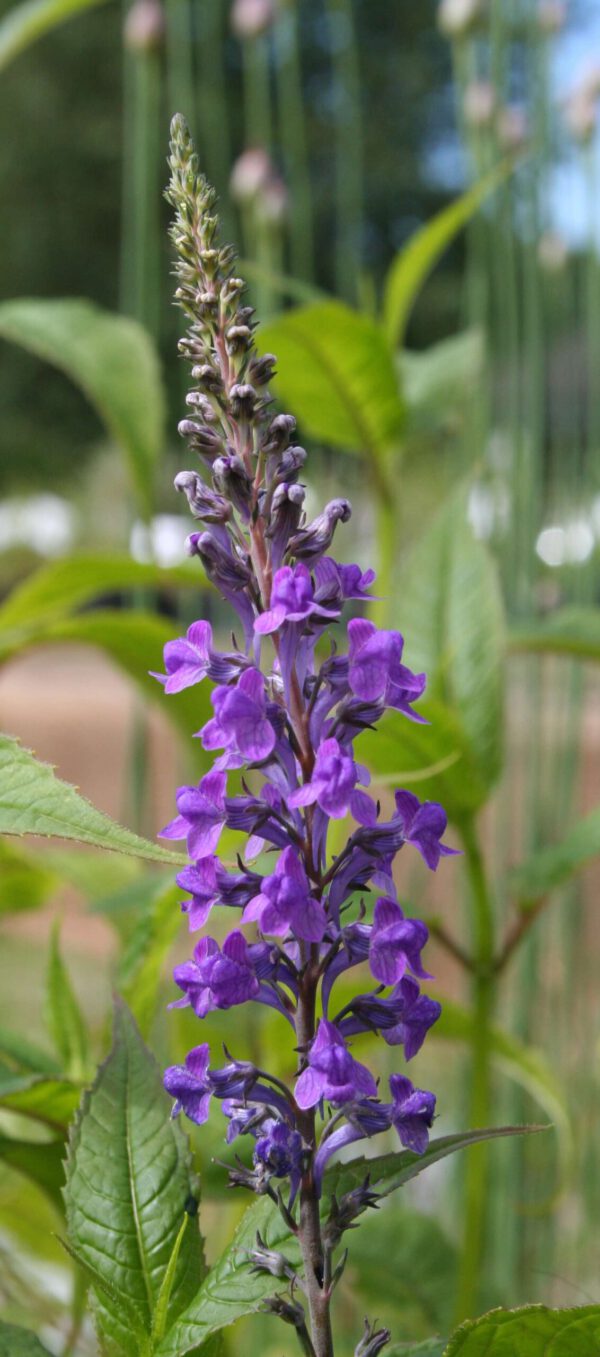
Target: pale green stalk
(348,149)
(294,139)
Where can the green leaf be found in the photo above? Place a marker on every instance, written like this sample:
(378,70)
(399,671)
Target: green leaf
(135,641)
(440,382)
(399,753)
(144,958)
(552,866)
(24,883)
(17,1342)
(569,631)
(25,1055)
(403,1267)
(129,1183)
(63,1014)
(41,1161)
(388,1172)
(335,372)
(113,361)
(58,589)
(453,621)
(230,1290)
(126,1312)
(432,1347)
(51,1101)
(533,1331)
(415,261)
(34,801)
(27,22)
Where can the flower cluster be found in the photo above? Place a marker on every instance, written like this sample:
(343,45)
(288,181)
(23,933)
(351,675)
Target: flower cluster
(289,702)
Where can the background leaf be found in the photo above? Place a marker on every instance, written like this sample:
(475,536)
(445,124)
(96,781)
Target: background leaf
(398,748)
(24,883)
(27,22)
(552,866)
(17,1342)
(114,362)
(128,1183)
(144,958)
(569,631)
(432,1347)
(63,1014)
(403,1268)
(51,1101)
(41,1161)
(34,801)
(335,372)
(533,1331)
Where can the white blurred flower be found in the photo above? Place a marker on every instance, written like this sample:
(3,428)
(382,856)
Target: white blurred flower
(272,203)
(512,127)
(144,28)
(161,541)
(553,252)
(250,175)
(46,523)
(456,17)
(571,544)
(250,18)
(479,103)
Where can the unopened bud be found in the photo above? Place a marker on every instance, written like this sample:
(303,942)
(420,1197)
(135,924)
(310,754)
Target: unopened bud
(242,397)
(268,1260)
(262,370)
(144,28)
(372,1341)
(278,434)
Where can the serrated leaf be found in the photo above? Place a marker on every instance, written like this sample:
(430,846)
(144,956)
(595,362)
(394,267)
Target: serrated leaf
(34,801)
(128,1182)
(126,1312)
(452,618)
(335,372)
(144,958)
(42,1162)
(230,1290)
(49,1100)
(17,1342)
(112,360)
(388,1172)
(63,1013)
(56,590)
(416,259)
(27,22)
(533,1331)
(135,641)
(555,864)
(568,631)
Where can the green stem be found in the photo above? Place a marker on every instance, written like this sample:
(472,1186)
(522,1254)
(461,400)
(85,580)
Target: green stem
(483,998)
(387,541)
(294,140)
(348,148)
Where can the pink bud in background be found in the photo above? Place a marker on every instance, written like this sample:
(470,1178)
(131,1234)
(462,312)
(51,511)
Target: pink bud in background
(479,103)
(250,175)
(250,18)
(552,252)
(273,202)
(144,28)
(512,127)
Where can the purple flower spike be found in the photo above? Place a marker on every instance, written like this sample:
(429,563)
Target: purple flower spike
(189,1085)
(412,1113)
(376,672)
(416,1013)
(217,978)
(285,902)
(201,815)
(396,943)
(332,785)
(332,1073)
(280,1153)
(187,660)
(202,881)
(240,724)
(423,824)
(292,600)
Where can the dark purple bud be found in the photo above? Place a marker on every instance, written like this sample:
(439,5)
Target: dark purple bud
(208,377)
(201,438)
(204,503)
(412,1112)
(313,541)
(292,1313)
(278,434)
(372,1341)
(232,479)
(262,370)
(242,399)
(238,338)
(222,567)
(343,1213)
(286,509)
(200,403)
(264,1259)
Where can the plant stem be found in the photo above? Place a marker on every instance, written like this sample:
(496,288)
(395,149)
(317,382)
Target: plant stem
(309,1234)
(483,997)
(387,538)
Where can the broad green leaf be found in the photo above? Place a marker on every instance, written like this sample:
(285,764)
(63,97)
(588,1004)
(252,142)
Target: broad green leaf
(335,372)
(60,588)
(452,618)
(569,631)
(41,1161)
(24,882)
(533,1331)
(440,382)
(143,961)
(27,22)
(552,866)
(135,641)
(94,874)
(399,752)
(431,1347)
(230,1290)
(17,1342)
(415,261)
(44,1098)
(126,1312)
(113,361)
(64,1017)
(129,1183)
(388,1172)
(34,801)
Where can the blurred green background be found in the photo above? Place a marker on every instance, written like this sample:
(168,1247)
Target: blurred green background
(414,191)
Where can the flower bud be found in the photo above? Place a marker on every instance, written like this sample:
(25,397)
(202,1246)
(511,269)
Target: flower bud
(251,173)
(233,481)
(268,1260)
(203,502)
(314,540)
(144,28)
(242,398)
(202,439)
(278,434)
(262,370)
(372,1341)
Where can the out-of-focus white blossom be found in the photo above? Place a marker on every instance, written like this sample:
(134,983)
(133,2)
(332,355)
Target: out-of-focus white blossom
(479,103)
(552,252)
(457,17)
(251,173)
(272,203)
(144,28)
(250,18)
